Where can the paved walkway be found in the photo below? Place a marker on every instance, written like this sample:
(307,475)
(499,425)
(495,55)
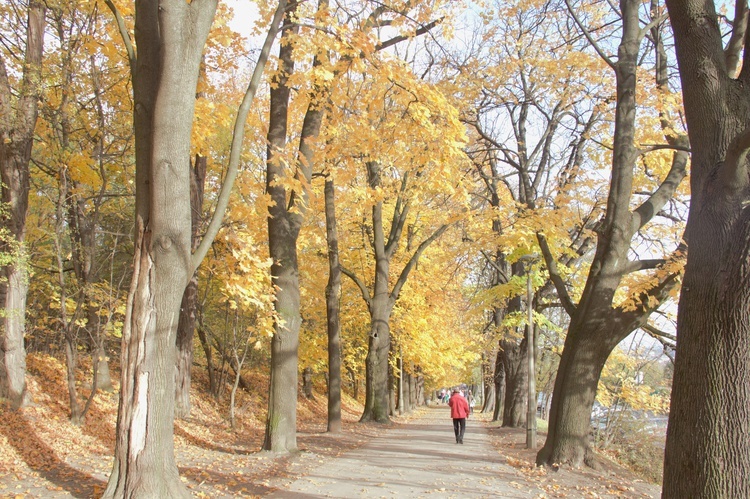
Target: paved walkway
(418,459)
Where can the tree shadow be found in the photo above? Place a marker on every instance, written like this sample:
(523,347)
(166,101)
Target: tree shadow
(42,459)
(97,423)
(206,445)
(229,483)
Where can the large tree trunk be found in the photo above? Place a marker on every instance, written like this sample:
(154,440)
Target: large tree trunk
(284,222)
(597,326)
(333,298)
(170,35)
(16,139)
(376,362)
(286,215)
(577,378)
(144,454)
(281,425)
(708,444)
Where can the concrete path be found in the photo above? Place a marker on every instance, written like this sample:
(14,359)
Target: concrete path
(418,459)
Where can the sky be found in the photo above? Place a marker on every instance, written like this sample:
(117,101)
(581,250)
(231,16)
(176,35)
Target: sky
(245,14)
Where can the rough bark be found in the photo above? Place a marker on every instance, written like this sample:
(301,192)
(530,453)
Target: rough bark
(18,116)
(333,298)
(708,437)
(577,381)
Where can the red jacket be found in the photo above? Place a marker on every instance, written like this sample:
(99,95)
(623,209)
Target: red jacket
(459,406)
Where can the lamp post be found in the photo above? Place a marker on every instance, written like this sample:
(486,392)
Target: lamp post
(531,348)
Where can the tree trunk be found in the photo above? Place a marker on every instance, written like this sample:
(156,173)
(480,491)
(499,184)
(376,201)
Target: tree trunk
(420,390)
(516,368)
(392,390)
(412,392)
(596,326)
(144,454)
(499,383)
(400,389)
(70,371)
(283,229)
(189,306)
(577,378)
(184,349)
(212,385)
(333,299)
(355,383)
(16,140)
(307,385)
(380,306)
(708,444)
(170,35)
(101,368)
(488,402)
(376,362)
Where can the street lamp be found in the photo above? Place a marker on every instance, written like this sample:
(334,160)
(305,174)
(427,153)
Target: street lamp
(528,260)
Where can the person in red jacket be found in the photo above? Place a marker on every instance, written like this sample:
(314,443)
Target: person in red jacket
(459,412)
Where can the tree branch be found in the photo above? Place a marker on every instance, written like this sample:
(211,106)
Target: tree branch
(400,213)
(237,136)
(360,284)
(737,39)
(499,270)
(554,275)
(397,39)
(638,265)
(588,36)
(413,261)
(124,34)
(646,211)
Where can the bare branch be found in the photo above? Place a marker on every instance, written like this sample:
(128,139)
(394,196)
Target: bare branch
(737,39)
(397,39)
(638,265)
(588,36)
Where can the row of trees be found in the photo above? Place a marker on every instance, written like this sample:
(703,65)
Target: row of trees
(438,173)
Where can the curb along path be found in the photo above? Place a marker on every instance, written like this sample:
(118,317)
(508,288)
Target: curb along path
(416,459)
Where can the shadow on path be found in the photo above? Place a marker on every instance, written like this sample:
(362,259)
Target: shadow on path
(417,459)
(42,459)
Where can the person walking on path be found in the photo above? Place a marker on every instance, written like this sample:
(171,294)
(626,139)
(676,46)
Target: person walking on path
(459,412)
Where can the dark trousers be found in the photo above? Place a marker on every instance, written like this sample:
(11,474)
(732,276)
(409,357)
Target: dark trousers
(459,426)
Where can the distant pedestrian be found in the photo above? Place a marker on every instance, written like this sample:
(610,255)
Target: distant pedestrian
(472,403)
(459,412)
